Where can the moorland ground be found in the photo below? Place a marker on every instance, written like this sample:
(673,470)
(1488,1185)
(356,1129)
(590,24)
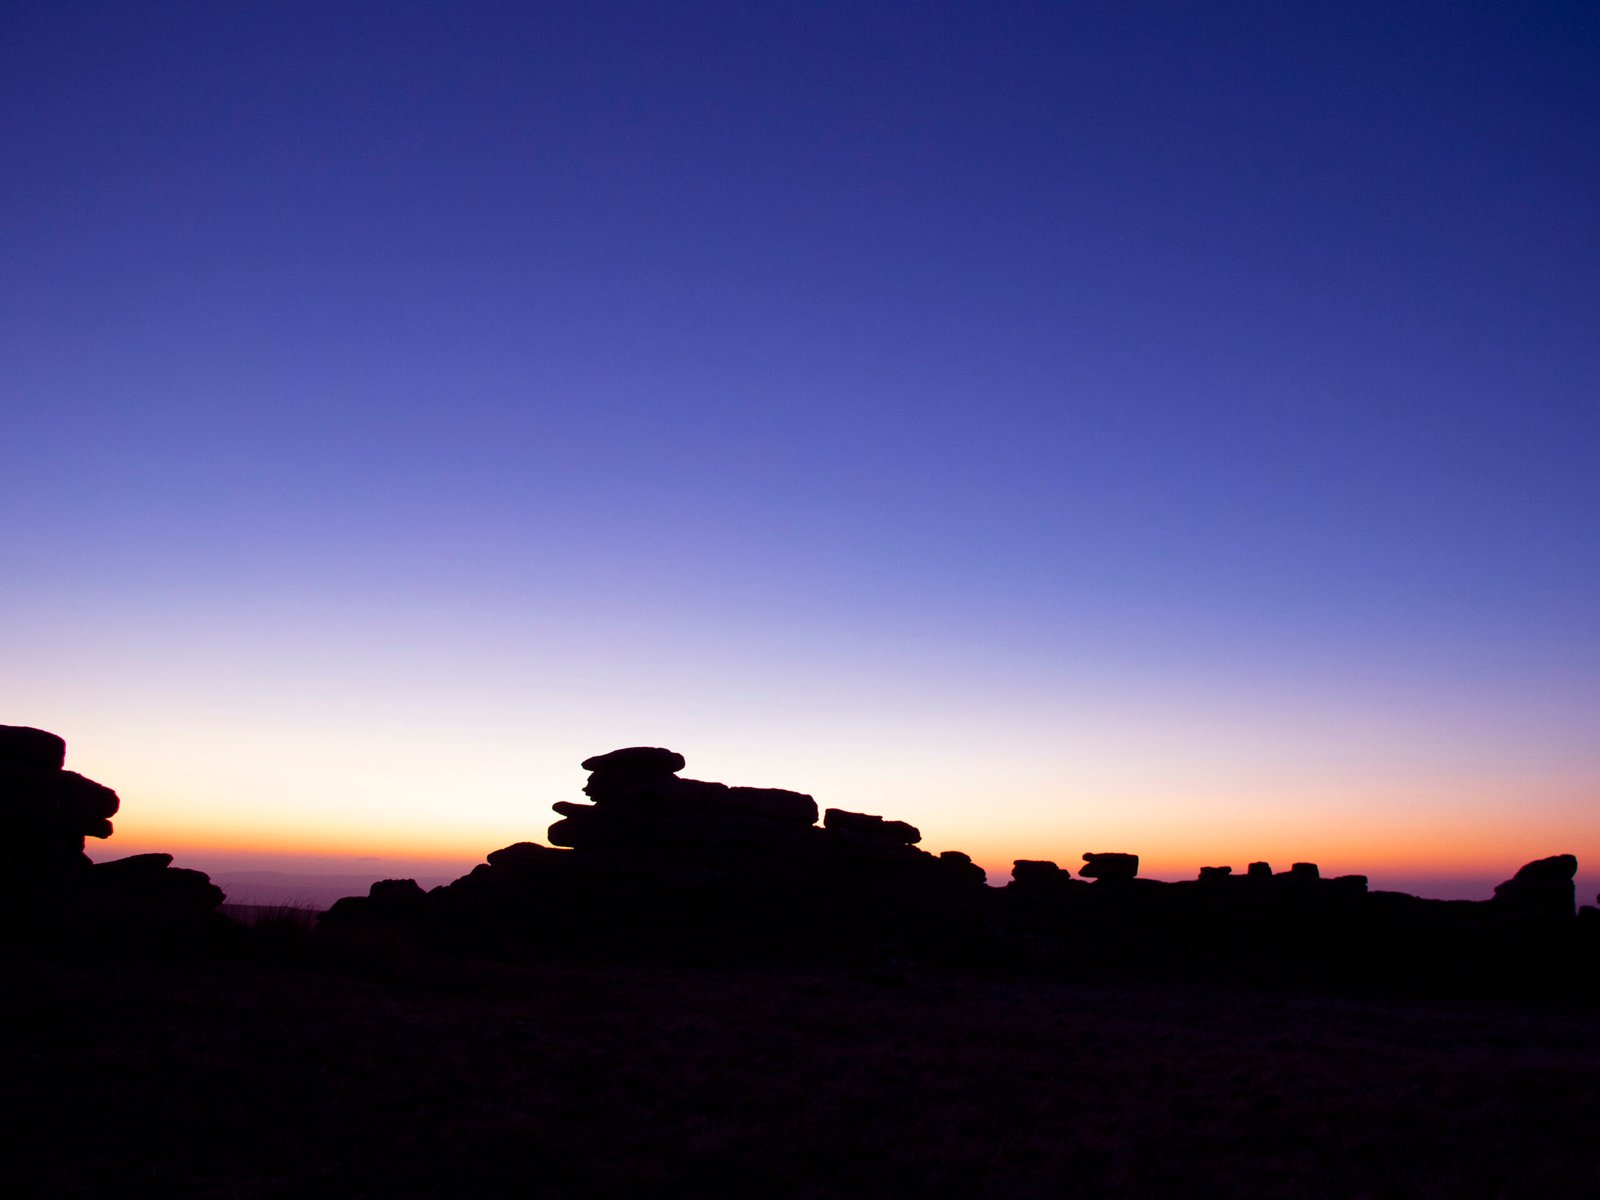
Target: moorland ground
(254,1076)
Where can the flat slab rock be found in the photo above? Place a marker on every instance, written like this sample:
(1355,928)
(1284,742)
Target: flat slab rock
(25,746)
(1108,864)
(35,800)
(901,833)
(636,760)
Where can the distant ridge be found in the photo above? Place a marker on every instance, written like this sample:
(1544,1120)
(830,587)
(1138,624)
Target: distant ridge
(311,889)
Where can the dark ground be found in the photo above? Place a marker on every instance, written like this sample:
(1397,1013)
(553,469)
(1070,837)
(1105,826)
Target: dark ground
(274,1075)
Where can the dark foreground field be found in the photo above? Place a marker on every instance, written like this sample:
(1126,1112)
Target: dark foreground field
(249,1078)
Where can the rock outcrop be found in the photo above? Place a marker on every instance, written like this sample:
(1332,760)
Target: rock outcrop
(46,812)
(24,746)
(639,801)
(657,860)
(1042,879)
(50,887)
(652,863)
(1109,866)
(1543,887)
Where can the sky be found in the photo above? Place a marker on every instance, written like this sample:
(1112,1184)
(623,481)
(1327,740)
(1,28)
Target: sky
(1154,427)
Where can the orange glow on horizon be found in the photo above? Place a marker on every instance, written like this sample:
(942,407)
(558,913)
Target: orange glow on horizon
(326,810)
(1464,853)
(234,840)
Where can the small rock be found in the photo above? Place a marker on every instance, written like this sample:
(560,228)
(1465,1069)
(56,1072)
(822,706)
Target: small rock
(396,893)
(1034,870)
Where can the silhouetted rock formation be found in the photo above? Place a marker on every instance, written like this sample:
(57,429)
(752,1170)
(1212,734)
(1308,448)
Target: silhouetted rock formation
(632,764)
(1543,887)
(1032,872)
(1108,866)
(640,802)
(655,864)
(959,866)
(656,861)
(49,885)
(1041,879)
(46,812)
(147,888)
(871,828)
(400,900)
(24,746)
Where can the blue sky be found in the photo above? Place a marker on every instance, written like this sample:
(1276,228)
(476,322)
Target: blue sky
(1160,399)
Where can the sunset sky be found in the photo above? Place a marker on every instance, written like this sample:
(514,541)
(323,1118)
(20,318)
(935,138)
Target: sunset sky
(1155,427)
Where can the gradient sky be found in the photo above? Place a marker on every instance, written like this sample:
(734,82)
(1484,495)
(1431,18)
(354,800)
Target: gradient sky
(1167,428)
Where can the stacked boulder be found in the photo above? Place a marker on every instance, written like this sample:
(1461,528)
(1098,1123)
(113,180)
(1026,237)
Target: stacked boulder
(46,812)
(868,835)
(642,812)
(651,863)
(1044,877)
(654,862)
(878,852)
(639,801)
(49,884)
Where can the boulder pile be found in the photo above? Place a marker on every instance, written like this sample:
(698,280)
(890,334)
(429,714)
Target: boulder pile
(49,885)
(638,800)
(652,863)
(46,811)
(1260,883)
(654,859)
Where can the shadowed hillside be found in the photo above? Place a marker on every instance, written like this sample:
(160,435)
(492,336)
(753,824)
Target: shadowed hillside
(646,1080)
